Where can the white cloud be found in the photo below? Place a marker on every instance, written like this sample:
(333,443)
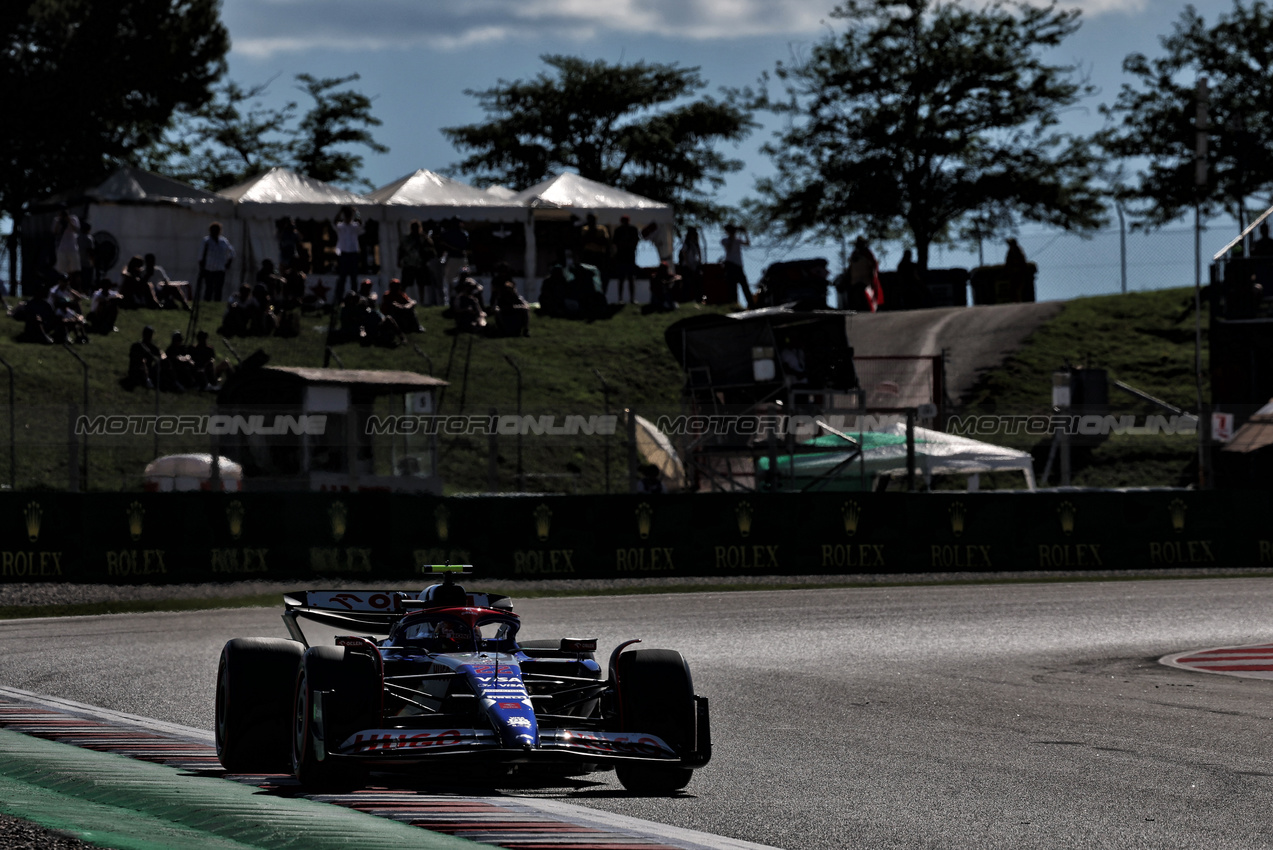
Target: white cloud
(264,27)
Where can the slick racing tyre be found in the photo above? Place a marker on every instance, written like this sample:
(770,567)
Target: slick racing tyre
(656,695)
(254,703)
(349,685)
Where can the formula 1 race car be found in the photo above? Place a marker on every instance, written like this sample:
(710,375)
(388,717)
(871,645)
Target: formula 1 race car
(450,684)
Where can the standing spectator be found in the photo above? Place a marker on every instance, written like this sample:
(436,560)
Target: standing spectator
(289,243)
(452,243)
(689,265)
(66,232)
(1262,247)
(92,265)
(594,249)
(215,258)
(734,242)
(416,254)
(626,240)
(859,286)
(348,250)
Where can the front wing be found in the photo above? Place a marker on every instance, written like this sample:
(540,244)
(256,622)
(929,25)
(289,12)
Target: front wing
(563,746)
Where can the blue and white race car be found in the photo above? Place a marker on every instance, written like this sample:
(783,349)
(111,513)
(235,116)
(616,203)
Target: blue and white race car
(420,680)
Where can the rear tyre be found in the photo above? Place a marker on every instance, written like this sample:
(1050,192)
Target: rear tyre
(254,704)
(656,695)
(337,693)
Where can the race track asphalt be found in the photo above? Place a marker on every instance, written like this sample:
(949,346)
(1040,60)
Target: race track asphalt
(1012,715)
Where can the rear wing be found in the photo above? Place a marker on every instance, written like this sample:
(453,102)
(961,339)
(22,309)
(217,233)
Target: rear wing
(371,612)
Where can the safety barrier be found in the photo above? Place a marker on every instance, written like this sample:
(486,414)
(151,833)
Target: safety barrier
(183,537)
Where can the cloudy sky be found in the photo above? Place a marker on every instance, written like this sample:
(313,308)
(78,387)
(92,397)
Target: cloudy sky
(417,57)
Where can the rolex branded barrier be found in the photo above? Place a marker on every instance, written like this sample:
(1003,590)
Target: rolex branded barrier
(184,537)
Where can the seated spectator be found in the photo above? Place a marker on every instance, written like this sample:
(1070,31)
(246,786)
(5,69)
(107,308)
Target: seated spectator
(503,272)
(38,320)
(512,313)
(664,287)
(181,365)
(68,324)
(650,481)
(258,311)
(587,289)
(103,308)
(467,305)
(234,321)
(137,293)
(400,307)
(293,288)
(553,292)
(144,358)
(359,323)
(270,279)
(204,358)
(62,289)
(368,293)
(168,294)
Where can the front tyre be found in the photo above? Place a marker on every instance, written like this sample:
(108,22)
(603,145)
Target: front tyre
(656,695)
(337,693)
(254,703)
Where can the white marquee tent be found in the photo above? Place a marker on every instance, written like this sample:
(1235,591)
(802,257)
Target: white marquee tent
(426,195)
(260,202)
(146,214)
(570,194)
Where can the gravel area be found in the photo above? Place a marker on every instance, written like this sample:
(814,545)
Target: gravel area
(66,594)
(18,834)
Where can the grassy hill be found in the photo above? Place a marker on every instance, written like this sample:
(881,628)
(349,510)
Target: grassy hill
(557,362)
(1145,339)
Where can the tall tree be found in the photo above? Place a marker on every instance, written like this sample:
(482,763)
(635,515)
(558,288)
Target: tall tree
(229,139)
(338,118)
(922,115)
(83,83)
(638,127)
(1153,118)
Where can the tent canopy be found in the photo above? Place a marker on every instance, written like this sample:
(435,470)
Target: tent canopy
(884,453)
(280,187)
(573,192)
(133,186)
(429,195)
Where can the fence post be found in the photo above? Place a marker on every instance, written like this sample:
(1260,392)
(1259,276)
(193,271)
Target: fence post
(84,364)
(13,439)
(72,451)
(492,455)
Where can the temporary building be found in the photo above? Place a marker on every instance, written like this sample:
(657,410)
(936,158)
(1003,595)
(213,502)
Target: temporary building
(497,225)
(554,201)
(260,203)
(884,453)
(133,212)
